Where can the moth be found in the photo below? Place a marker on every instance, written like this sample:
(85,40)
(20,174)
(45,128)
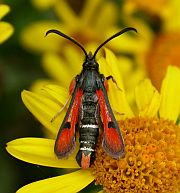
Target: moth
(89,111)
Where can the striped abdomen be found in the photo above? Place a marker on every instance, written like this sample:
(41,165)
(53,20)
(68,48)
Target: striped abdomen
(88,129)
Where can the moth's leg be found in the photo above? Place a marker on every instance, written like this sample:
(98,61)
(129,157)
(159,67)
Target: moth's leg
(114,81)
(59,112)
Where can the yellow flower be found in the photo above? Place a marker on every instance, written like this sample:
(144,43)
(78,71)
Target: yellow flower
(162,43)
(167,10)
(90,26)
(113,174)
(6,29)
(151,162)
(166,45)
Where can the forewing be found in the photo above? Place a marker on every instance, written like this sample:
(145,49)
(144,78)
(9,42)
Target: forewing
(113,142)
(65,142)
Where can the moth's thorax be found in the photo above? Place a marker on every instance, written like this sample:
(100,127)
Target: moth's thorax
(88,81)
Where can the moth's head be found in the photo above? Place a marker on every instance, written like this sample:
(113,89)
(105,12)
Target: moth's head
(90,62)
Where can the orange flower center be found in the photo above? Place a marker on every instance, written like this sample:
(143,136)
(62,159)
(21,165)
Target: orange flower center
(165,51)
(151,161)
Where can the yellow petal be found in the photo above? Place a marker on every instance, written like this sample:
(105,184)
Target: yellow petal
(33,38)
(117,96)
(6,31)
(145,33)
(135,75)
(54,92)
(39,151)
(68,183)
(106,17)
(147,99)
(132,42)
(170,91)
(47,134)
(74,59)
(4,9)
(66,13)
(39,84)
(44,109)
(118,101)
(169,14)
(89,9)
(113,67)
(43,4)
(57,93)
(126,43)
(58,69)
(129,7)
(125,65)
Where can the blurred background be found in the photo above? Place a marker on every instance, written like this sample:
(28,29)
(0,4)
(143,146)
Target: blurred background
(28,60)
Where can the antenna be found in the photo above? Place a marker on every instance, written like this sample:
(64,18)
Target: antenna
(114,36)
(67,37)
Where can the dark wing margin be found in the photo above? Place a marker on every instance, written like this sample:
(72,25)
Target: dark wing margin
(65,141)
(112,143)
